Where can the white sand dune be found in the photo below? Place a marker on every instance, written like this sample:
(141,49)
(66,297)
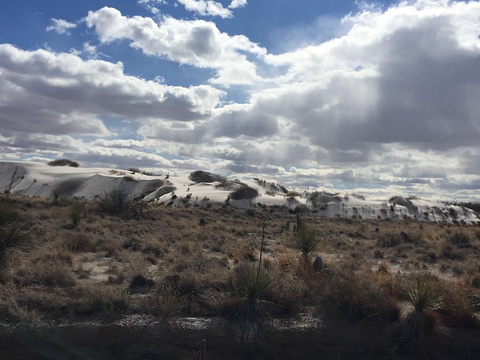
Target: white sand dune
(35,179)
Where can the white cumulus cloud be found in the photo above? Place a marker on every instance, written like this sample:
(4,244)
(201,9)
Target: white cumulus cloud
(61,26)
(197,42)
(206,8)
(237,4)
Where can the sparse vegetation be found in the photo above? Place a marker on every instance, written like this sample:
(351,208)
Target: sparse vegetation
(190,262)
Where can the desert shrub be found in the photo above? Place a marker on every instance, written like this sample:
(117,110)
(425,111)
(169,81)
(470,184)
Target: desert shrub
(53,274)
(140,284)
(63,162)
(114,202)
(292,193)
(12,235)
(64,190)
(244,192)
(104,301)
(389,240)
(129,178)
(459,238)
(79,243)
(117,202)
(203,176)
(76,214)
(364,294)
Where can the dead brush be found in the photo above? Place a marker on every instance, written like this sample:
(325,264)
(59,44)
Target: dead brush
(80,242)
(12,235)
(363,293)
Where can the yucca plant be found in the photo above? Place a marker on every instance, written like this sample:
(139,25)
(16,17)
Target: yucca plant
(250,313)
(251,285)
(306,241)
(424,294)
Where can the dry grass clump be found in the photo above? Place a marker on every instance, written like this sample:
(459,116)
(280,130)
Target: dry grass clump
(12,235)
(389,240)
(51,274)
(79,242)
(117,202)
(363,293)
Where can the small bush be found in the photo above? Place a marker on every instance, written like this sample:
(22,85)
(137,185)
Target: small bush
(76,214)
(389,240)
(203,176)
(12,236)
(459,238)
(129,178)
(292,193)
(116,202)
(79,243)
(63,162)
(244,192)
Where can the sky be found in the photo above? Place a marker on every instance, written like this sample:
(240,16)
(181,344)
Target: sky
(378,98)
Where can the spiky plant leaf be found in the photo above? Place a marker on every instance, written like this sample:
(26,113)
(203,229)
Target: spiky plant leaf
(424,292)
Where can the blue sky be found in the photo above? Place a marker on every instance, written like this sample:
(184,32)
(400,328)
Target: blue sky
(379,98)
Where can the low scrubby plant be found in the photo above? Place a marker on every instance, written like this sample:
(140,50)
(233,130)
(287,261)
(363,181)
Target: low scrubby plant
(76,214)
(117,202)
(12,236)
(244,192)
(459,239)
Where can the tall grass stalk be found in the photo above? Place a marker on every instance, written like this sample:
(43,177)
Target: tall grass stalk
(251,285)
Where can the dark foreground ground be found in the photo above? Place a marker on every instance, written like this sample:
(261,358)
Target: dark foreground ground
(341,339)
